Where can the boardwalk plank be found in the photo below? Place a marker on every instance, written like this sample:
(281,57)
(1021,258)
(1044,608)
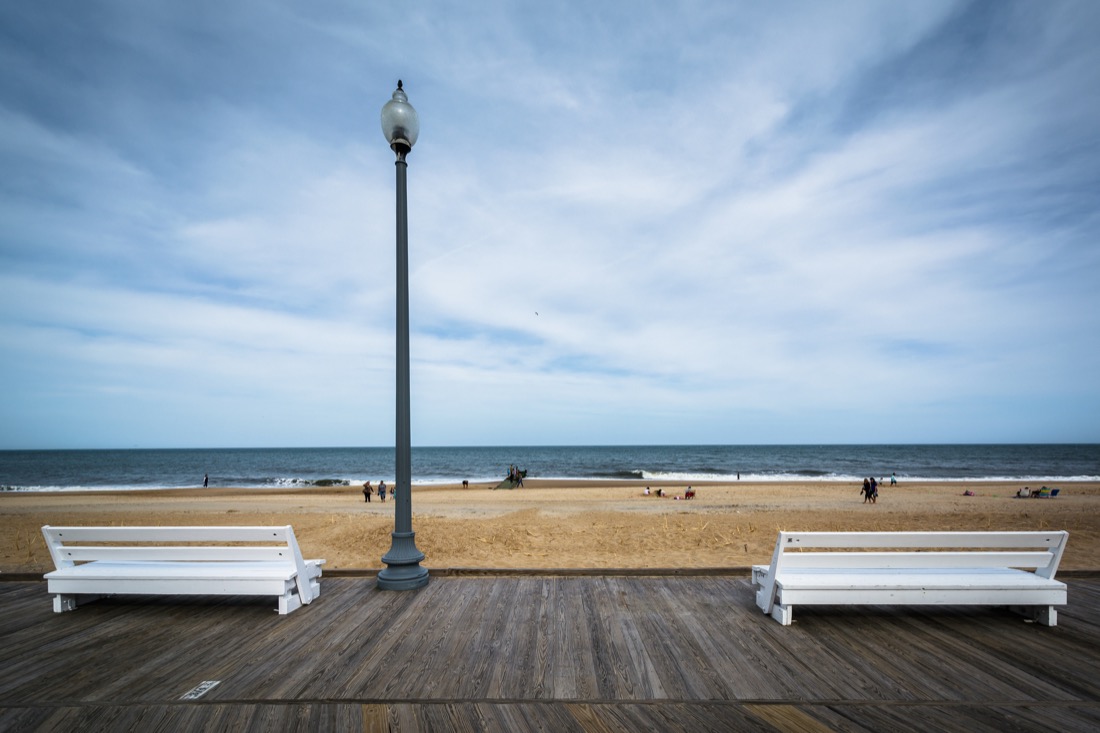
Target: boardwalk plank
(648,685)
(614,676)
(544,650)
(485,646)
(574,669)
(509,677)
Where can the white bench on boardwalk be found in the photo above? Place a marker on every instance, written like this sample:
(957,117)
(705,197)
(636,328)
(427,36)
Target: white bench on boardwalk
(1013,569)
(263,561)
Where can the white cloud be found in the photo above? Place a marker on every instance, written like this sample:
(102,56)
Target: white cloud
(733,225)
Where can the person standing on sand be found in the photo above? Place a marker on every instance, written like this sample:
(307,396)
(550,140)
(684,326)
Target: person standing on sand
(367,490)
(382,491)
(205,480)
(874,490)
(866,491)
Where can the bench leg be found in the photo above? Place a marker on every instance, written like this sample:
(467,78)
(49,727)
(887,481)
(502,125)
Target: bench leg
(68,601)
(782,614)
(289,602)
(64,602)
(1045,615)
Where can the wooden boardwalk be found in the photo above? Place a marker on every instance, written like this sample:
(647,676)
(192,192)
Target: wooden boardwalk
(542,652)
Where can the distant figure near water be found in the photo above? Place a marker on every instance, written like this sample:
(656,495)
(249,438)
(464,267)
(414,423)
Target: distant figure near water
(205,480)
(382,491)
(367,490)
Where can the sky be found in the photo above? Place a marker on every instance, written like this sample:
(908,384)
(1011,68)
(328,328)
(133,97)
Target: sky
(665,222)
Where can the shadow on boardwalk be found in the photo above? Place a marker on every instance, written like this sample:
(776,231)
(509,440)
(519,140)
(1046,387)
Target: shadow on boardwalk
(548,652)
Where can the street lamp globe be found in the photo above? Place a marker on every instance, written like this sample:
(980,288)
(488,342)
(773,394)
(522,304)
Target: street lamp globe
(400,124)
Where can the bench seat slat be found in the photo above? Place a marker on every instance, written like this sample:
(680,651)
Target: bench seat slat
(922,596)
(174,586)
(941,578)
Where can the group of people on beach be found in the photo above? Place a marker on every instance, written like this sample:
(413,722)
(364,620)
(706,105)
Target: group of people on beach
(368,490)
(1043,493)
(689,493)
(870,490)
(515,475)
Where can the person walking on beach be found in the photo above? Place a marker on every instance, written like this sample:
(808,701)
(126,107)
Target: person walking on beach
(367,491)
(382,491)
(874,490)
(866,491)
(205,480)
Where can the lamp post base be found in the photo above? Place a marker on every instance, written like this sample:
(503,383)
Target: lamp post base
(403,560)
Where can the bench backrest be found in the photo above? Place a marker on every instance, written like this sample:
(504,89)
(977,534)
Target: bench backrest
(151,544)
(1041,551)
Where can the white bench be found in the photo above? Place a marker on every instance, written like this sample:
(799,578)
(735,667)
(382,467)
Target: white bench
(918,568)
(263,561)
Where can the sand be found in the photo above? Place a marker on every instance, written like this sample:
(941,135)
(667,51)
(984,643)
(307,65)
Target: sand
(563,524)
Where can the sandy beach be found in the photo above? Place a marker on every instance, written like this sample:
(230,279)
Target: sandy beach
(564,524)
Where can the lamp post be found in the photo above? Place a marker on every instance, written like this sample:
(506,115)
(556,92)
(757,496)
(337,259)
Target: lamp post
(402,572)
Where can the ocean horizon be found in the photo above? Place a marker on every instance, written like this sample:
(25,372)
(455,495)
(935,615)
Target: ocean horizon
(167,468)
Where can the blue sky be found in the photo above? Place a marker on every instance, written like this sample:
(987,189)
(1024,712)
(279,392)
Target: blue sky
(630,222)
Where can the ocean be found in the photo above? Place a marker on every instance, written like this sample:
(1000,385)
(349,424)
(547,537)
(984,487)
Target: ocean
(81,470)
